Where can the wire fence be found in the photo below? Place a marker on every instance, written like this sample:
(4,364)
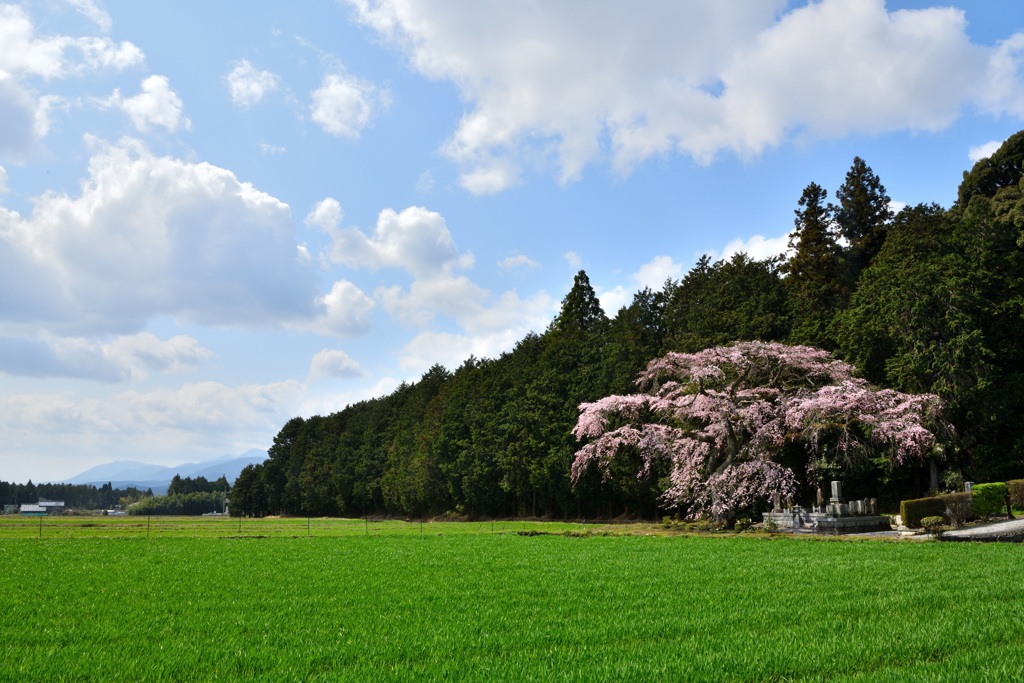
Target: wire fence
(153,527)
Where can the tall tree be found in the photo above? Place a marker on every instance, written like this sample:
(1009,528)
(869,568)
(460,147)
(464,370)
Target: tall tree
(814,270)
(862,219)
(739,299)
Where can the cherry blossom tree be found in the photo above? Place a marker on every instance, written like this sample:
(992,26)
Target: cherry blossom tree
(721,418)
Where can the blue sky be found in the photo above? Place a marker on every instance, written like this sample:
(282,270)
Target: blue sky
(217,216)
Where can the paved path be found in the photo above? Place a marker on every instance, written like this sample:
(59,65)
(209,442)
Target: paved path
(1011,530)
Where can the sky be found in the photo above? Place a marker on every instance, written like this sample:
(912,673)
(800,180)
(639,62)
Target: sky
(217,216)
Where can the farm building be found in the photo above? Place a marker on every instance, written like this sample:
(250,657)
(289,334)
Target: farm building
(43,507)
(53,507)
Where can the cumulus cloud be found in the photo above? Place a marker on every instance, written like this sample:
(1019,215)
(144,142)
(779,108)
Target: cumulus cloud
(655,272)
(440,293)
(488,330)
(976,154)
(152,236)
(126,358)
(3,180)
(343,105)
(248,86)
(614,299)
(49,57)
(418,241)
(572,84)
(757,247)
(156,105)
(333,364)
(652,274)
(415,239)
(346,311)
(28,60)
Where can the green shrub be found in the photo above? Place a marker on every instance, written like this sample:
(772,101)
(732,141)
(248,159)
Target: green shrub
(1015,489)
(958,507)
(934,525)
(912,511)
(989,499)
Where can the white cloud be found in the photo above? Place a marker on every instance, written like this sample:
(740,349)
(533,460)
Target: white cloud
(415,239)
(344,105)
(326,215)
(144,352)
(419,242)
(24,54)
(272,149)
(26,59)
(156,105)
(976,154)
(327,403)
(333,363)
(439,293)
(573,84)
(3,180)
(573,259)
(248,86)
(489,329)
(346,311)
(491,178)
(654,273)
(757,247)
(152,236)
(125,358)
(518,261)
(1004,87)
(193,415)
(614,299)
(95,13)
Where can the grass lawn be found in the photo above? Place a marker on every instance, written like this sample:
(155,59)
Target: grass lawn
(475,605)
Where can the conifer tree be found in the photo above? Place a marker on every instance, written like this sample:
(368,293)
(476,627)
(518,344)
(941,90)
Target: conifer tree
(814,270)
(862,218)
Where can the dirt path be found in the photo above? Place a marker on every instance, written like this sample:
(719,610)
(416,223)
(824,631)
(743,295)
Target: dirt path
(1011,530)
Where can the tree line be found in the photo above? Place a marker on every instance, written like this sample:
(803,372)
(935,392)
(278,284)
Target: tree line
(926,300)
(86,496)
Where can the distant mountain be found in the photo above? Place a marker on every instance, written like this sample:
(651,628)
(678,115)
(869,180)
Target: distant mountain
(125,473)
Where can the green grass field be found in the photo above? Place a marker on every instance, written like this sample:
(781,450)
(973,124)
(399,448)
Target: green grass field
(462,603)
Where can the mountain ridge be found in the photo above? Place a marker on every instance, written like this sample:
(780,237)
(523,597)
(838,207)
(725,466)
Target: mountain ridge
(128,473)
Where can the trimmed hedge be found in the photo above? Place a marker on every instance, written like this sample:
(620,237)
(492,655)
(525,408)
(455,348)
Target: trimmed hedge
(959,507)
(1015,488)
(989,499)
(914,510)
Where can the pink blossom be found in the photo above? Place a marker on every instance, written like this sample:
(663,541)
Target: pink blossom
(721,416)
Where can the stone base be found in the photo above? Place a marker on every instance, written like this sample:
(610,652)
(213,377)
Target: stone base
(824,523)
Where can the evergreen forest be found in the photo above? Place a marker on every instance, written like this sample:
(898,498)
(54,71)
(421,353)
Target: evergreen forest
(928,299)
